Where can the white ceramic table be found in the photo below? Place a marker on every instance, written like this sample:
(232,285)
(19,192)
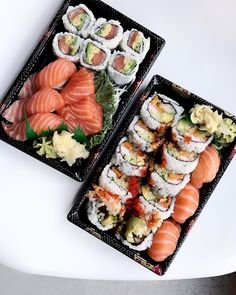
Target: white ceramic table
(35,236)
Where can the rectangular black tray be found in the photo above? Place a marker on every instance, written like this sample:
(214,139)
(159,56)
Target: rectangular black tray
(78,214)
(43,54)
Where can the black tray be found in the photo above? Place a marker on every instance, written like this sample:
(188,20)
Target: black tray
(78,214)
(42,55)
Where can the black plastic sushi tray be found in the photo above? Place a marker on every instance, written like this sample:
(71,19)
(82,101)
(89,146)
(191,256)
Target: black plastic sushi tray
(78,214)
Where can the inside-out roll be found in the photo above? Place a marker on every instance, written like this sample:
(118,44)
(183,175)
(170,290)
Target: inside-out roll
(79,20)
(189,137)
(146,139)
(179,160)
(166,182)
(130,159)
(154,201)
(94,55)
(122,68)
(135,43)
(67,45)
(159,112)
(113,180)
(109,33)
(104,209)
(140,223)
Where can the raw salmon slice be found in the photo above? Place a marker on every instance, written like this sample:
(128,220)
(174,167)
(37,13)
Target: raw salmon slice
(38,122)
(29,87)
(45,100)
(86,113)
(81,84)
(56,74)
(207,167)
(165,240)
(186,204)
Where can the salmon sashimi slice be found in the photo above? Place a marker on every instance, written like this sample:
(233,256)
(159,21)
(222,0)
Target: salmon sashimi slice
(81,84)
(44,101)
(16,112)
(29,87)
(86,113)
(38,122)
(56,74)
(186,204)
(207,167)
(165,240)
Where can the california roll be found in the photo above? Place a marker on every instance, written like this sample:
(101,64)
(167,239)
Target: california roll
(104,208)
(113,180)
(179,160)
(146,139)
(135,43)
(130,159)
(190,137)
(67,45)
(94,55)
(167,182)
(122,67)
(79,20)
(109,33)
(159,112)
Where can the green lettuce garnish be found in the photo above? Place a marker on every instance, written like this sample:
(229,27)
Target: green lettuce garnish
(105,96)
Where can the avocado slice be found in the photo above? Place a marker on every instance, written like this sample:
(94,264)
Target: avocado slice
(136,229)
(109,220)
(137,45)
(91,50)
(147,193)
(79,20)
(104,30)
(129,65)
(72,42)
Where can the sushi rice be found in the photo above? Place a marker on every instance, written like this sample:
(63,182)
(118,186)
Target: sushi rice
(125,74)
(130,160)
(153,201)
(99,31)
(156,117)
(86,20)
(77,44)
(179,160)
(142,44)
(96,46)
(113,180)
(189,137)
(166,182)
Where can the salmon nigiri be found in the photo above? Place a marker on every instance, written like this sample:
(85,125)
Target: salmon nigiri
(38,122)
(86,113)
(45,100)
(81,84)
(165,240)
(186,203)
(56,74)
(207,167)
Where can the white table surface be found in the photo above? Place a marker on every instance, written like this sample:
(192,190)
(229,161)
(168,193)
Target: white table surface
(35,236)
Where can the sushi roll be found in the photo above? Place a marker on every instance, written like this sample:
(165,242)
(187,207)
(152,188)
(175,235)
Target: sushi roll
(113,180)
(159,112)
(138,226)
(79,20)
(109,33)
(189,137)
(154,201)
(179,160)
(145,138)
(135,43)
(94,55)
(67,45)
(122,67)
(167,182)
(131,160)
(104,209)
